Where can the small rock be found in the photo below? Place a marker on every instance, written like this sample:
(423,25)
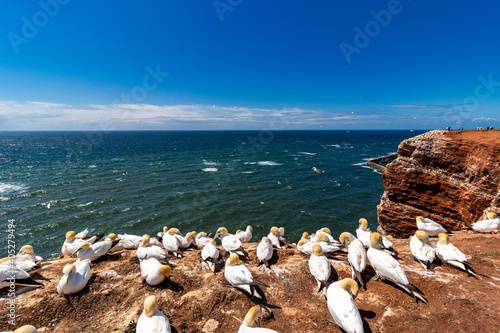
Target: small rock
(210,326)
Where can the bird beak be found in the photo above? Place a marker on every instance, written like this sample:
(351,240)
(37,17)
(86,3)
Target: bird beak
(257,321)
(217,235)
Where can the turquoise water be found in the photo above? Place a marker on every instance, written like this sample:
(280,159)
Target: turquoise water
(193,180)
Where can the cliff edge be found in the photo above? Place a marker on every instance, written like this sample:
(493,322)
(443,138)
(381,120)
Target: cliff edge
(449,177)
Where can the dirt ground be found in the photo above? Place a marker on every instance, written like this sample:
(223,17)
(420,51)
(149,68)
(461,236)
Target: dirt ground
(491,137)
(197,300)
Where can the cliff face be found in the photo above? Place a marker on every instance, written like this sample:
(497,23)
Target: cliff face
(449,177)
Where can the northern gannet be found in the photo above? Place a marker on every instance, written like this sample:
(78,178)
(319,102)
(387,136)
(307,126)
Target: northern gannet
(429,226)
(152,320)
(245,236)
(96,250)
(28,252)
(422,249)
(75,277)
(274,237)
(326,245)
(210,254)
(230,243)
(26,329)
(154,272)
(363,232)
(19,261)
(163,232)
(305,246)
(320,266)
(146,251)
(202,239)
(253,316)
(490,224)
(326,232)
(388,268)
(172,241)
(10,274)
(451,255)
(188,240)
(356,255)
(265,251)
(72,242)
(340,300)
(240,277)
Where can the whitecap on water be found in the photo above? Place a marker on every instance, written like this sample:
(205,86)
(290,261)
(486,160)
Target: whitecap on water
(268,163)
(210,170)
(306,153)
(209,162)
(9,187)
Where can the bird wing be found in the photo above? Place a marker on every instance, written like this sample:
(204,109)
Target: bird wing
(231,243)
(386,266)
(343,310)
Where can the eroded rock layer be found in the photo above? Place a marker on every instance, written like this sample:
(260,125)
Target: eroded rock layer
(449,177)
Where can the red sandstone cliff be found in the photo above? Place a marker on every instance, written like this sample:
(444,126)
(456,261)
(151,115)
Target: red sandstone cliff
(449,177)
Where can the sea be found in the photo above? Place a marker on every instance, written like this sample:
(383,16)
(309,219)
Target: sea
(136,182)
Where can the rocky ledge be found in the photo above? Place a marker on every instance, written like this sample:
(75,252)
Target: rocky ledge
(197,300)
(449,177)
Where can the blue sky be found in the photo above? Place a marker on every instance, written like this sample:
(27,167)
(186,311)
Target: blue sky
(242,64)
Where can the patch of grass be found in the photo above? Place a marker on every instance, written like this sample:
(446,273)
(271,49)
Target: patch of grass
(491,253)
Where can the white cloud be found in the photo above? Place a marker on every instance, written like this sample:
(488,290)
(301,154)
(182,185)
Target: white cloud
(36,115)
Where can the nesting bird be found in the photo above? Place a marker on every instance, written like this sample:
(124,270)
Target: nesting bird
(154,272)
(274,237)
(388,268)
(450,254)
(356,255)
(245,236)
(9,273)
(26,329)
(210,254)
(253,316)
(363,232)
(490,224)
(326,245)
(422,249)
(230,243)
(320,267)
(152,320)
(173,240)
(240,277)
(146,251)
(202,239)
(305,246)
(28,252)
(265,251)
(75,277)
(96,250)
(340,300)
(429,226)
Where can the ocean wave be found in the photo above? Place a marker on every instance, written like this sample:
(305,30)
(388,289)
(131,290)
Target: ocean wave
(268,163)
(9,187)
(4,198)
(85,204)
(209,163)
(306,153)
(210,169)
(93,166)
(248,172)
(250,163)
